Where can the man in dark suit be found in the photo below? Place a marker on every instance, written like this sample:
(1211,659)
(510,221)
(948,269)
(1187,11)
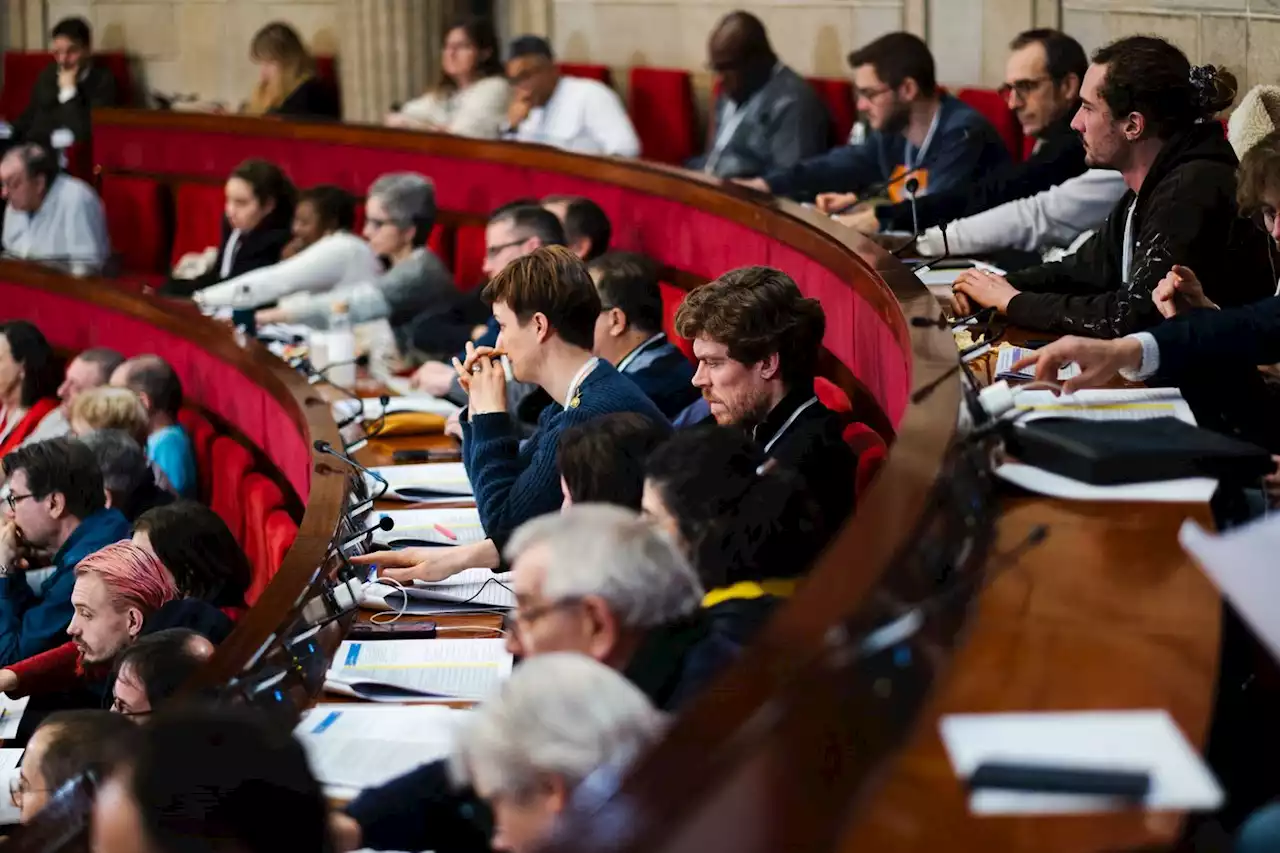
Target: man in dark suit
(66,89)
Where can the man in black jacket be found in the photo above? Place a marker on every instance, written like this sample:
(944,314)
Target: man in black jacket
(1042,86)
(66,89)
(1148,114)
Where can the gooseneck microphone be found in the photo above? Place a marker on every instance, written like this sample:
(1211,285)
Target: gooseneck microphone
(322,446)
(385,523)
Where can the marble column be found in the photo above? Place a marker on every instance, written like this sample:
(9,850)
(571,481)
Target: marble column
(24,23)
(389,52)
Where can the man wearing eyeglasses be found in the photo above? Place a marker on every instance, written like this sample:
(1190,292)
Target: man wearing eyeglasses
(1042,88)
(55,515)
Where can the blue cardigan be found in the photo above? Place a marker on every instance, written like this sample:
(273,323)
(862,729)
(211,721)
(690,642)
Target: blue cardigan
(31,623)
(964,148)
(515,483)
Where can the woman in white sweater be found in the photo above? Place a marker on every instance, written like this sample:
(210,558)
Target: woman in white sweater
(471,97)
(322,255)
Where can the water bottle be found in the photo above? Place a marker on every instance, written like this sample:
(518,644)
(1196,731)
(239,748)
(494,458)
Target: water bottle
(342,346)
(243,315)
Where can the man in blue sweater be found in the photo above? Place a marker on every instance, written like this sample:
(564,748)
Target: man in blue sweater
(56,506)
(922,141)
(629,334)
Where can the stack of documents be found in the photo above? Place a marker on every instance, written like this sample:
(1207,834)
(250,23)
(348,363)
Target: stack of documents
(352,747)
(1008,356)
(415,527)
(1106,404)
(372,408)
(469,591)
(428,483)
(419,670)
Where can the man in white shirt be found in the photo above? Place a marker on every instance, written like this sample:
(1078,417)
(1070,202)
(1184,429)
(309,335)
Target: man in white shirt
(573,113)
(51,217)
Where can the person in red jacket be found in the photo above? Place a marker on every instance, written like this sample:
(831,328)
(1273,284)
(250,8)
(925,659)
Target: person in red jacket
(116,589)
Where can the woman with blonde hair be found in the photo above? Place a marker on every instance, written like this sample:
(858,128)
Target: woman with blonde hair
(288,85)
(108,408)
(470,99)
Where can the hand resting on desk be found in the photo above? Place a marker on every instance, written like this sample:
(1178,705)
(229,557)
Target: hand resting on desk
(431,564)
(978,288)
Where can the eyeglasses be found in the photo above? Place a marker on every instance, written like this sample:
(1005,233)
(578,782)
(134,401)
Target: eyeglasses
(117,707)
(493,251)
(378,223)
(1023,88)
(20,787)
(871,94)
(526,616)
(14,500)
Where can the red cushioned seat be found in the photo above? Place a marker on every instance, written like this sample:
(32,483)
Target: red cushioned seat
(261,497)
(281,531)
(197,218)
(660,103)
(995,110)
(832,395)
(23,67)
(468,256)
(837,95)
(231,464)
(137,222)
(201,433)
(672,296)
(871,450)
(588,70)
(441,242)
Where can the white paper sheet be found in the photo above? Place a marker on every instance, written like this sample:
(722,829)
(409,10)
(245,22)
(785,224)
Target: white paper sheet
(358,746)
(466,669)
(1146,740)
(1242,562)
(10,814)
(11,711)
(421,524)
(480,587)
(442,480)
(1006,357)
(373,410)
(1105,404)
(1188,490)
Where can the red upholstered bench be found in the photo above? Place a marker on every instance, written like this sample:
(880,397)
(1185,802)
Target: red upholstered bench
(22,67)
(672,296)
(837,95)
(197,219)
(281,530)
(139,215)
(468,256)
(660,103)
(995,110)
(261,498)
(588,70)
(231,465)
(201,433)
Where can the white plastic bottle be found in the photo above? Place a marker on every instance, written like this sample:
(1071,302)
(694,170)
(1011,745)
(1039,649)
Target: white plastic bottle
(342,347)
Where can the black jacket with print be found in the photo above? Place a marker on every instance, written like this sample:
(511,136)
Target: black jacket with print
(1186,214)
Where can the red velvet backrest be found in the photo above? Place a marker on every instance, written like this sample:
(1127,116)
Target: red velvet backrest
(138,221)
(837,95)
(22,67)
(832,395)
(995,110)
(202,434)
(660,102)
(261,498)
(281,530)
(468,256)
(672,296)
(588,70)
(197,219)
(231,464)
(871,450)
(441,242)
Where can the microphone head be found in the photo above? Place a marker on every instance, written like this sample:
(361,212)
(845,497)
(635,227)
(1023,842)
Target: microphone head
(912,186)
(386,523)
(322,446)
(362,360)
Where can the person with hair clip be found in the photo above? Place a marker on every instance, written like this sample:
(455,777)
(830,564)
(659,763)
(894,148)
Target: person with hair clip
(748,526)
(287,84)
(602,460)
(470,98)
(117,588)
(29,408)
(51,217)
(323,254)
(256,226)
(1146,112)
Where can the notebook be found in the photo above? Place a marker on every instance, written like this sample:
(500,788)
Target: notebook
(412,670)
(417,527)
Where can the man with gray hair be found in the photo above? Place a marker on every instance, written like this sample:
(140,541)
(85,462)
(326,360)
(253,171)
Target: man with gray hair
(400,211)
(594,579)
(91,368)
(51,217)
(128,479)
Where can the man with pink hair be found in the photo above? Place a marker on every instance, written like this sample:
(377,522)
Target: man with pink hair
(116,589)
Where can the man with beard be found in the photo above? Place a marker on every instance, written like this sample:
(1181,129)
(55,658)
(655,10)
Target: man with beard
(917,132)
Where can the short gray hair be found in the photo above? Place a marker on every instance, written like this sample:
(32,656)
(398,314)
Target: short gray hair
(409,199)
(561,714)
(613,553)
(122,460)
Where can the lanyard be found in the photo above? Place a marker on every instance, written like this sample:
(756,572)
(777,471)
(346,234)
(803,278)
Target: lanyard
(788,422)
(1126,253)
(911,159)
(570,397)
(635,353)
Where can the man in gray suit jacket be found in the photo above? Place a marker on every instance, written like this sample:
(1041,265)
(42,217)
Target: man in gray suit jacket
(767,117)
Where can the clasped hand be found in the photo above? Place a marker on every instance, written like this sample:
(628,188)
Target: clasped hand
(482,377)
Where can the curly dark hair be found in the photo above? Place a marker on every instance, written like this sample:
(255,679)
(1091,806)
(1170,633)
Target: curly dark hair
(1149,75)
(756,312)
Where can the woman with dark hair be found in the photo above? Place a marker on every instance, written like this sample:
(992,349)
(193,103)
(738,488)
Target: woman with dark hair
(256,225)
(198,549)
(471,97)
(287,82)
(29,380)
(322,255)
(748,525)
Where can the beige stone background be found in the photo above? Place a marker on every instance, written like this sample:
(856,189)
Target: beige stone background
(387,48)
